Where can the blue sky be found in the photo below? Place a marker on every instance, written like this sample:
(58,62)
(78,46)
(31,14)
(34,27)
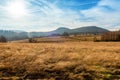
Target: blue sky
(47,15)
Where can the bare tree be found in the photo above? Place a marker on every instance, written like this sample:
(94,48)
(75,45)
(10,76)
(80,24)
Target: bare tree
(111,36)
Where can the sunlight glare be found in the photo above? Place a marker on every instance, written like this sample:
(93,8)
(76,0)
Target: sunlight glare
(16,8)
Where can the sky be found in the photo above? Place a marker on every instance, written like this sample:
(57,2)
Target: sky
(47,15)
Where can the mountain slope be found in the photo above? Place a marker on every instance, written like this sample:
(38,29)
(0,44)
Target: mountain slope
(12,35)
(60,30)
(89,29)
(17,35)
(81,30)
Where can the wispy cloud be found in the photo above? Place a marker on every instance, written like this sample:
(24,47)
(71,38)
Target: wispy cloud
(44,15)
(105,14)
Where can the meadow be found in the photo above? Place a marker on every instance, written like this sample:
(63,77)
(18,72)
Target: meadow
(60,61)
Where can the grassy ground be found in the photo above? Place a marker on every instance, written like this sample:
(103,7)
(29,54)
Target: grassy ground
(60,61)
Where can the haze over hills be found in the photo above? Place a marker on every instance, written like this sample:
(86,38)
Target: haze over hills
(88,29)
(17,35)
(61,30)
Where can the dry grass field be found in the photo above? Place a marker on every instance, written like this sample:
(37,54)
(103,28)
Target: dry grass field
(60,61)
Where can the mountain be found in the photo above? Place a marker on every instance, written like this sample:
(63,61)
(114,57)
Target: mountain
(90,29)
(17,31)
(17,35)
(61,30)
(58,31)
(87,29)
(12,35)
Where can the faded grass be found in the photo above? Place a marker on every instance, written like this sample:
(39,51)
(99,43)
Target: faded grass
(60,61)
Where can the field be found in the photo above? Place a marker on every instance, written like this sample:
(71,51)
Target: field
(60,61)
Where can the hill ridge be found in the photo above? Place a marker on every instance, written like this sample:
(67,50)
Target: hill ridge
(14,35)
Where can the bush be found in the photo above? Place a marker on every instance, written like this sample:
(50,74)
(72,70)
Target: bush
(31,40)
(3,39)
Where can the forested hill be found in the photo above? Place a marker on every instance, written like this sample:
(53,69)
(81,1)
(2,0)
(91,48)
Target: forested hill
(17,35)
(12,35)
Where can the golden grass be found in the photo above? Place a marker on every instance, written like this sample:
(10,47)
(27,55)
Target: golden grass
(60,61)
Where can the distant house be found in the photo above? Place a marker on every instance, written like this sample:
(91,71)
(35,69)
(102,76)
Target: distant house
(111,36)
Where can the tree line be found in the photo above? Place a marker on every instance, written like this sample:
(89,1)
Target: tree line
(111,36)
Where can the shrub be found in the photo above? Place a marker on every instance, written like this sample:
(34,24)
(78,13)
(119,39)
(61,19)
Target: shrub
(3,39)
(31,40)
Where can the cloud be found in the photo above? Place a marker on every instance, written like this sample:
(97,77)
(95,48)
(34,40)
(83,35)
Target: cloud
(46,15)
(43,16)
(105,14)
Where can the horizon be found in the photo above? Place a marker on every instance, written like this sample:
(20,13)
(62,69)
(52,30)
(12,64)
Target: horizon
(48,15)
(57,28)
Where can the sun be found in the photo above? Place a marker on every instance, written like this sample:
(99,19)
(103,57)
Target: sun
(16,8)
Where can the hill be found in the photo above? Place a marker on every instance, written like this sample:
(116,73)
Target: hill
(13,35)
(17,35)
(81,30)
(90,29)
